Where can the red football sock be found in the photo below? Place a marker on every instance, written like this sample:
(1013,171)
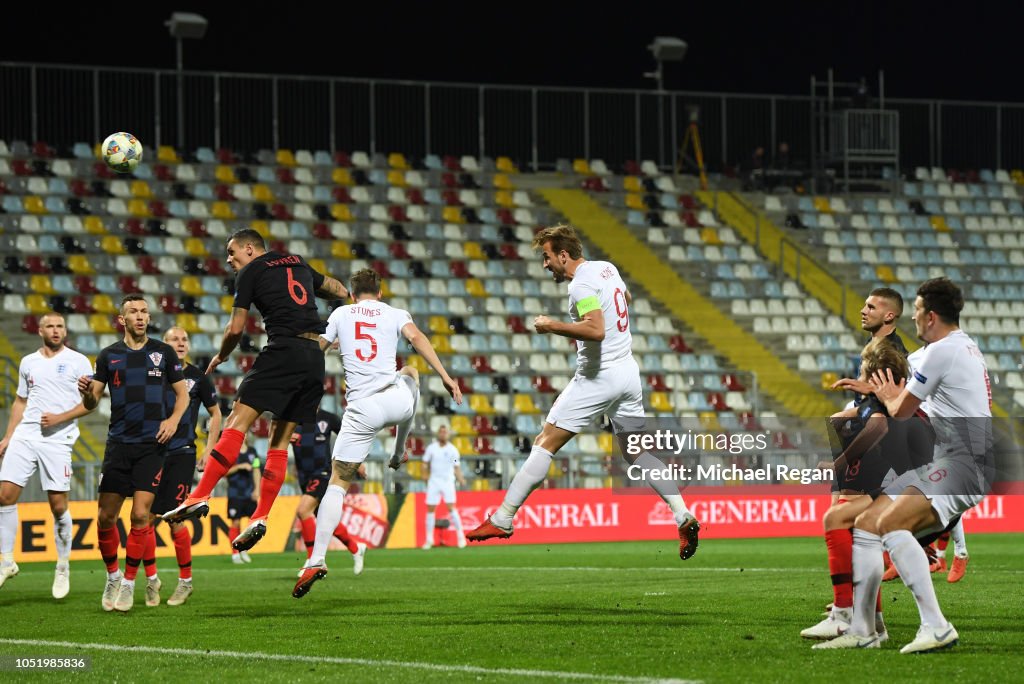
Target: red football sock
(270,484)
(149,553)
(886,561)
(183,550)
(232,533)
(840,566)
(134,549)
(309,534)
(878,601)
(341,532)
(222,457)
(109,544)
(942,543)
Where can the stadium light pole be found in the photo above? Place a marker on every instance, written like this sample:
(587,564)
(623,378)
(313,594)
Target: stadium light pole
(184,25)
(664,49)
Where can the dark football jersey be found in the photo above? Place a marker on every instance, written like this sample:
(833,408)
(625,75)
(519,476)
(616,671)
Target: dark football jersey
(282,289)
(200,391)
(138,380)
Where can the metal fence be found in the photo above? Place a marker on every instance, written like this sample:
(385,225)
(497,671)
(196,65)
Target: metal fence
(535,126)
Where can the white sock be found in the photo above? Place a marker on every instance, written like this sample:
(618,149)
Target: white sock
(62,536)
(529,477)
(912,561)
(668,490)
(8,531)
(327,520)
(959,540)
(153,578)
(114,575)
(128,583)
(455,518)
(868,568)
(185,580)
(429,528)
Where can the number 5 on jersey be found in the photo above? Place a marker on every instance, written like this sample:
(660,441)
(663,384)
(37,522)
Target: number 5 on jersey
(361,326)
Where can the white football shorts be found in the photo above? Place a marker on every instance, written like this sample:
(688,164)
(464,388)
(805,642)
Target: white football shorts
(365,417)
(440,490)
(52,458)
(615,391)
(952,485)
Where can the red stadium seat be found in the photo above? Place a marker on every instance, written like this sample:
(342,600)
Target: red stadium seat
(133,226)
(278,246)
(159,209)
(732,383)
(481,365)
(168,304)
(398,251)
(415,196)
(253,326)
(458,269)
(749,422)
(341,195)
(505,217)
(342,159)
(43,151)
(225,385)
(677,344)
(148,266)
(213,266)
(30,324)
(451,163)
(197,228)
(80,304)
(322,231)
(128,284)
(482,446)
(163,173)
(101,170)
(79,188)
(780,440)
(85,285)
(594,184)
(397,213)
(482,426)
(515,325)
(688,202)
(36,264)
(21,167)
(417,446)
(656,383)
(449,180)
(285,175)
(631,168)
(223,193)
(245,362)
(281,213)
(226,156)
(330,384)
(542,384)
(717,401)
(463,387)
(261,428)
(509,252)
(380,267)
(689,219)
(451,198)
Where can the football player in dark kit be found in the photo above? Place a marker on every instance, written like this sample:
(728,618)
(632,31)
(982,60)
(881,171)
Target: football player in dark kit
(287,379)
(180,467)
(139,371)
(311,445)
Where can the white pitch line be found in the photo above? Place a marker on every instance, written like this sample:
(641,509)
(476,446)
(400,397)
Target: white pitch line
(366,662)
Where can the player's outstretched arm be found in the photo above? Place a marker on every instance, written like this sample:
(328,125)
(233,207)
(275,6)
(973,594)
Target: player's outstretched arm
(17,413)
(332,289)
(590,328)
(232,336)
(422,345)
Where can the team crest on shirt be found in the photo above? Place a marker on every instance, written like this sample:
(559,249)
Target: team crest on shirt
(61,368)
(189,384)
(156,358)
(322,425)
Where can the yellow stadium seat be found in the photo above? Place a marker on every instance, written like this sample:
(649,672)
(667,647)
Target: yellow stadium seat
(341,212)
(385,290)
(634,201)
(1017,176)
(828,379)
(100,323)
(502,182)
(139,208)
(821,204)
(79,264)
(555,470)
(885,273)
(606,441)
(416,361)
(415,469)
(167,154)
(709,420)
(472,250)
(479,403)
(475,288)
(111,244)
(709,236)
(191,286)
(262,228)
(396,160)
(34,205)
(441,344)
(938,223)
(505,165)
(396,178)
(97,150)
(222,210)
(340,249)
(196,247)
(481,485)
(660,402)
(464,446)
(36,304)
(341,177)
(438,325)
(318,265)
(632,184)
(580,166)
(462,426)
(227,303)
(94,226)
(225,174)
(262,193)
(452,215)
(503,198)
(285,158)
(373,487)
(524,404)
(188,322)
(104,304)
(140,188)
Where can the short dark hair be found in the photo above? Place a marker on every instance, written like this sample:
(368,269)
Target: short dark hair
(943,297)
(562,237)
(133,297)
(892,295)
(365,281)
(248,236)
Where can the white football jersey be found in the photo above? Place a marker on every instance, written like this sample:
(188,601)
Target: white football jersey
(597,284)
(914,359)
(51,386)
(442,460)
(368,332)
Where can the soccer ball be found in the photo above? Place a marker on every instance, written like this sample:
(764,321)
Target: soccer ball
(122,152)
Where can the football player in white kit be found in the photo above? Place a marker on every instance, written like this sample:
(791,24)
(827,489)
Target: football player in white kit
(40,434)
(951,375)
(442,461)
(607,381)
(378,397)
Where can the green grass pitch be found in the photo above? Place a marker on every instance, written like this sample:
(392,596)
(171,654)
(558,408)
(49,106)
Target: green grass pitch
(575,612)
